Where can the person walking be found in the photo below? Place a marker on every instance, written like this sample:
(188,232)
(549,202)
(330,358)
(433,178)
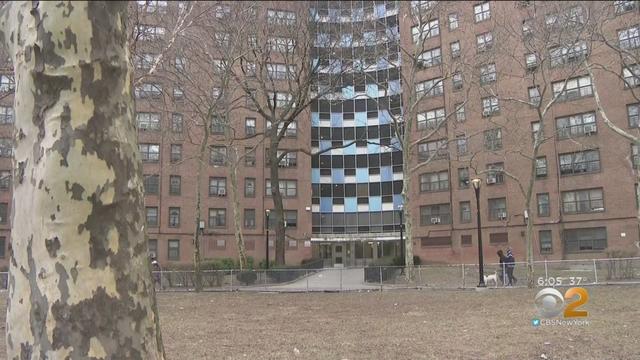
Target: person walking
(503,266)
(510,265)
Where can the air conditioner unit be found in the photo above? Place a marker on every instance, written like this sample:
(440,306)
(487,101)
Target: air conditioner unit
(153,255)
(222,192)
(541,172)
(486,113)
(435,220)
(502,216)
(491,180)
(589,129)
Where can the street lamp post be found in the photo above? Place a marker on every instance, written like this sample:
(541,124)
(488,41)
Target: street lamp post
(476,187)
(267,242)
(402,259)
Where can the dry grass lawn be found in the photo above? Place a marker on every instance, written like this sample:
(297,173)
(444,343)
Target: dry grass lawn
(409,324)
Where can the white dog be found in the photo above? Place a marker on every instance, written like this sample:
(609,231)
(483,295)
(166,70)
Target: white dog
(493,277)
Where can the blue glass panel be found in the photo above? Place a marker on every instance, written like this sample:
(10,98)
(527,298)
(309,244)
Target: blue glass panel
(384,117)
(315,176)
(375,203)
(373,147)
(350,204)
(315,119)
(362,175)
(337,176)
(397,201)
(372,90)
(348,92)
(361,119)
(349,150)
(326,204)
(394,87)
(386,173)
(325,144)
(336,119)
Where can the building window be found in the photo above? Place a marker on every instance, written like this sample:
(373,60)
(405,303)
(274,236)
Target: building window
(148,121)
(465,240)
(6,147)
(541,167)
(490,106)
(176,123)
(531,61)
(484,41)
(535,130)
(218,156)
(454,21)
(465,212)
(150,152)
(419,7)
(580,162)
(7,83)
(567,18)
(173,250)
(174,217)
(482,12)
(455,49)
(582,201)
(577,125)
(631,75)
(288,188)
(153,248)
(463,177)
(433,150)
(291,131)
(493,139)
(430,58)
(622,6)
(428,30)
(498,238)
(462,145)
(175,185)
(249,187)
(151,6)
(144,61)
(152,216)
(498,209)
(435,214)
(180,64)
(431,119)
(633,114)
(429,88)
(281,17)
(457,81)
(280,44)
(544,208)
(217,186)
(280,71)
(629,38)
(221,39)
(5,180)
(561,55)
(546,242)
(222,11)
(151,184)
(249,218)
(487,74)
(290,219)
(575,88)
(7,115)
(635,156)
(218,125)
(435,181)
(250,126)
(435,241)
(495,173)
(147,91)
(217,218)
(534,96)
(176,153)
(289,160)
(249,157)
(586,239)
(460,114)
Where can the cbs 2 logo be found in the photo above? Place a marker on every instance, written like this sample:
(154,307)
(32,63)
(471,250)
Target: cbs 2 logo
(550,302)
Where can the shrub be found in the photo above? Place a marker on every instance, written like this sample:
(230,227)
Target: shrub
(247,277)
(417,260)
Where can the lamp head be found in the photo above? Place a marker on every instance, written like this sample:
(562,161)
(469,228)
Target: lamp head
(267,211)
(476,183)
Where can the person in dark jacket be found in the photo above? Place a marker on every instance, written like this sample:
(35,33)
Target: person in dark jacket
(510,265)
(502,272)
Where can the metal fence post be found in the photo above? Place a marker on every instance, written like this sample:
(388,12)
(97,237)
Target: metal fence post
(231,280)
(380,270)
(307,276)
(595,270)
(546,271)
(464,285)
(265,279)
(419,275)
(340,279)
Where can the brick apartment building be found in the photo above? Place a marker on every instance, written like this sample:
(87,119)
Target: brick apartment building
(345,205)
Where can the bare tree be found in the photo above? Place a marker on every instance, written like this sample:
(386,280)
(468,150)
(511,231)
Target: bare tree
(547,52)
(79,267)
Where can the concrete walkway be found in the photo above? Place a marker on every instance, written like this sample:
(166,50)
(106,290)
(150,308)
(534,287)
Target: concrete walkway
(329,280)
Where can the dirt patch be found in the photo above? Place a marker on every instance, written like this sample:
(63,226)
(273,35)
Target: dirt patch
(412,324)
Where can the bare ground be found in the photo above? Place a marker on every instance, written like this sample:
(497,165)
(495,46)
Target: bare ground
(409,324)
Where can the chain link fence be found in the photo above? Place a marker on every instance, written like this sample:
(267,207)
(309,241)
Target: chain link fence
(458,276)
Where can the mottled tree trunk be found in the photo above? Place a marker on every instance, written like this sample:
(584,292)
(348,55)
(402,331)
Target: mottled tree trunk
(408,223)
(197,235)
(278,206)
(235,206)
(80,285)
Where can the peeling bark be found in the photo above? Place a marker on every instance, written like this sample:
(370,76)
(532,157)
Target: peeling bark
(235,206)
(79,283)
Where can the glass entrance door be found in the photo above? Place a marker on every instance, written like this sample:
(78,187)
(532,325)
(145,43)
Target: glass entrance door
(338,255)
